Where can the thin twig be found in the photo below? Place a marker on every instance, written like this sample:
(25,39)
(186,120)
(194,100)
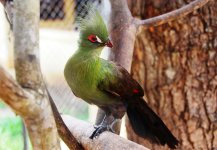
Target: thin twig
(62,129)
(173,15)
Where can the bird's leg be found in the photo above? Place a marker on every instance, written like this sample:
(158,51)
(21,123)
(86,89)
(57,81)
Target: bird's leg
(97,126)
(105,125)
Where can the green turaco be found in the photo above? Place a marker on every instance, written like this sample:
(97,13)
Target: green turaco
(109,86)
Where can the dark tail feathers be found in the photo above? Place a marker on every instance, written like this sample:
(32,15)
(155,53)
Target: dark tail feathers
(147,124)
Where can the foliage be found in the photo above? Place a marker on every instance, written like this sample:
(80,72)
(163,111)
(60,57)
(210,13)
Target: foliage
(11,133)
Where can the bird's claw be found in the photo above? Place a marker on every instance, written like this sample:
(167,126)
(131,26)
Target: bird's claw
(99,129)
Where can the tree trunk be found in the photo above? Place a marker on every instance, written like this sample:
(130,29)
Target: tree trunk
(177,65)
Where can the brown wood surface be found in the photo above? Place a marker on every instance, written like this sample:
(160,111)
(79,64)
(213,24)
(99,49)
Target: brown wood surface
(177,65)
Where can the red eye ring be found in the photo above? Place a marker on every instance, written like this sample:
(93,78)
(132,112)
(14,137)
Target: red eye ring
(92,38)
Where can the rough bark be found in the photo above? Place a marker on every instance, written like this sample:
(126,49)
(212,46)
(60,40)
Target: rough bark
(176,63)
(172,15)
(123,29)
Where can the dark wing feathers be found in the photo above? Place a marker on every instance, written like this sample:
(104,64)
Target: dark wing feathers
(119,82)
(144,121)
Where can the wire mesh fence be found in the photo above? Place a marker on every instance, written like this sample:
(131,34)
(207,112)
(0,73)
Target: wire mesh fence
(61,13)
(57,13)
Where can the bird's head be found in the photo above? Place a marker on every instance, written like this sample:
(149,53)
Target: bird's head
(93,32)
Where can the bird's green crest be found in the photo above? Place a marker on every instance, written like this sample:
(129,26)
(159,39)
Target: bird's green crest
(92,24)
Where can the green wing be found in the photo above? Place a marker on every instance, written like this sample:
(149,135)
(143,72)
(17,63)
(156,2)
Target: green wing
(117,81)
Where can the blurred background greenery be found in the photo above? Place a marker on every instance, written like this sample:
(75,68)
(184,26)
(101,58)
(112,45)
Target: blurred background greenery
(10,130)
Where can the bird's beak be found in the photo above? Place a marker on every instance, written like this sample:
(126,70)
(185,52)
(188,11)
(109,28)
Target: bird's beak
(109,44)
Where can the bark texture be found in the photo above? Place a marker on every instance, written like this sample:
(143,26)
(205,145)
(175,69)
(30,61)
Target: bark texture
(41,127)
(177,65)
(105,141)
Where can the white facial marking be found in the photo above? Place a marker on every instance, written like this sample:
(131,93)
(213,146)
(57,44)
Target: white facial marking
(98,39)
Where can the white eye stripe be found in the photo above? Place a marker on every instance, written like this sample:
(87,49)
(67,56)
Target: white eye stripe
(98,39)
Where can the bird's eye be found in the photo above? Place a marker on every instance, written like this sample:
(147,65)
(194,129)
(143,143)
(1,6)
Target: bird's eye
(94,39)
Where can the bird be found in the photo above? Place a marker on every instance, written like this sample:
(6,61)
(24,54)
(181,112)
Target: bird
(110,86)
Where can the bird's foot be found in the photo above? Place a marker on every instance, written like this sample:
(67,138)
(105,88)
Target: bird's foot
(99,129)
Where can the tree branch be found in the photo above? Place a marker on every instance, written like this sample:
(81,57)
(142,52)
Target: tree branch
(42,128)
(26,46)
(123,33)
(107,140)
(62,129)
(173,15)
(23,103)
(19,100)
